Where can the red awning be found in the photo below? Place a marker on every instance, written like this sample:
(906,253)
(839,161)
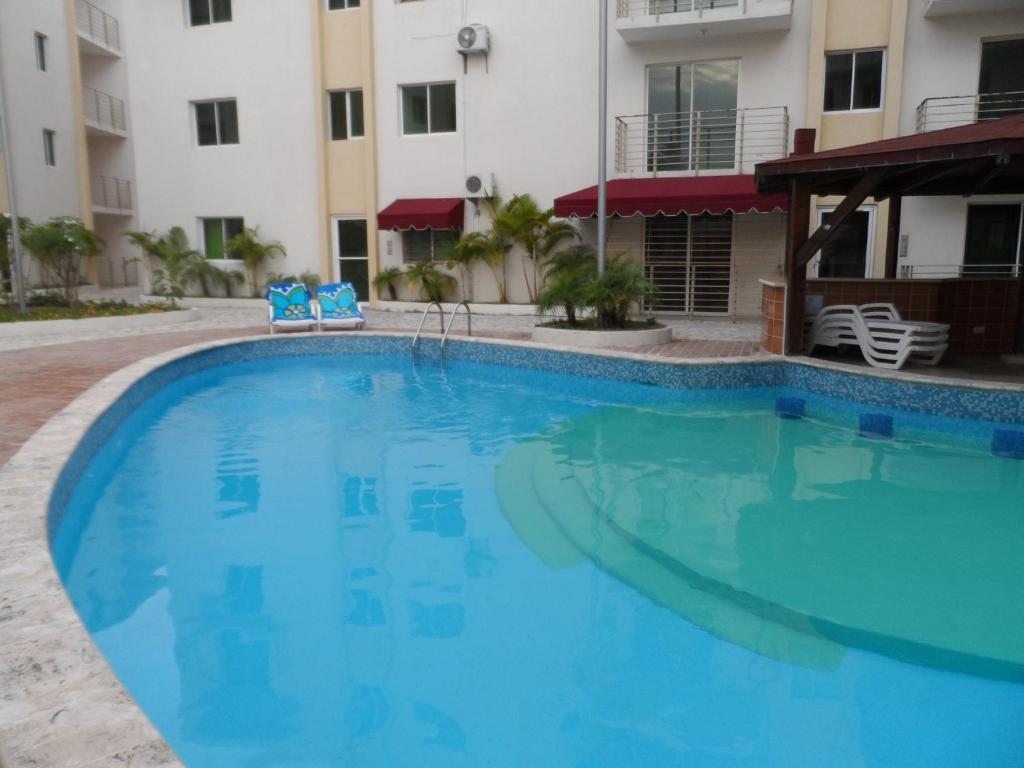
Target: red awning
(671,196)
(423,213)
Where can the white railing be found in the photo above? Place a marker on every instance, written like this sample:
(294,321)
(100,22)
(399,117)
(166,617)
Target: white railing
(112,193)
(629,8)
(948,271)
(706,140)
(98,25)
(952,111)
(103,110)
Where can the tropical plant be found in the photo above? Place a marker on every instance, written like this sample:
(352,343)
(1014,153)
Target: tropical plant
(522,221)
(248,247)
(227,279)
(60,246)
(204,272)
(387,280)
(568,274)
(311,280)
(491,248)
(466,252)
(179,264)
(6,245)
(613,293)
(433,283)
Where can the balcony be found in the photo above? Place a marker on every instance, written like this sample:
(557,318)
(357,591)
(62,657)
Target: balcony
(951,271)
(704,142)
(99,33)
(644,21)
(104,114)
(952,111)
(112,196)
(935,8)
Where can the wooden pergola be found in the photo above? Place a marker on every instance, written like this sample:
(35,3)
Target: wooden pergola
(982,158)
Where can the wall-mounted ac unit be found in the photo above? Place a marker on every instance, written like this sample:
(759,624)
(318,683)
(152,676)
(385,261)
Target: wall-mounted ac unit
(479,185)
(473,38)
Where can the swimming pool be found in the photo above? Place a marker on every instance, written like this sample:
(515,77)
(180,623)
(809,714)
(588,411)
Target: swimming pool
(324,560)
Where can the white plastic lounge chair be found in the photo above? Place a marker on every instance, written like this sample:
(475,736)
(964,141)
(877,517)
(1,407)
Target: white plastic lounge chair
(884,343)
(288,308)
(337,306)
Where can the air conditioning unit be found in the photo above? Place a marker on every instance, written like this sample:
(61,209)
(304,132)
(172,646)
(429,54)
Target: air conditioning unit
(473,38)
(479,185)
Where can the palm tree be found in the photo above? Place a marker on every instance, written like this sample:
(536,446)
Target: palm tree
(491,248)
(466,251)
(534,229)
(433,283)
(227,279)
(248,247)
(178,262)
(387,279)
(568,274)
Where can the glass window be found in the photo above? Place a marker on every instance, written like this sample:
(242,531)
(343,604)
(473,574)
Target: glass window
(49,148)
(993,239)
(414,110)
(428,108)
(353,255)
(202,12)
(217,233)
(346,118)
(846,254)
(41,51)
(428,245)
(1001,81)
(853,80)
(216,122)
(340,5)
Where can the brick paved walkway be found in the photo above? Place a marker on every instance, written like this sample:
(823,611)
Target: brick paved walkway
(36,383)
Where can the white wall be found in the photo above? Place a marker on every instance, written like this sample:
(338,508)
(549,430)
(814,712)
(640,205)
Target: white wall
(263,59)
(38,100)
(528,114)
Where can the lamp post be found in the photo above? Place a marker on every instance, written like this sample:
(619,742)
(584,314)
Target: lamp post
(602,140)
(19,285)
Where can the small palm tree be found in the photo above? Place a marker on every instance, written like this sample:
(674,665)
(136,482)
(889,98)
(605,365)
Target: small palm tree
(387,280)
(522,221)
(466,252)
(568,274)
(227,279)
(178,262)
(433,283)
(254,253)
(613,293)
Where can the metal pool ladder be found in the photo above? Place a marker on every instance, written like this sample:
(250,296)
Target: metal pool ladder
(440,309)
(451,322)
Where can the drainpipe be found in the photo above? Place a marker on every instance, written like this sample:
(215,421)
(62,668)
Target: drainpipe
(602,141)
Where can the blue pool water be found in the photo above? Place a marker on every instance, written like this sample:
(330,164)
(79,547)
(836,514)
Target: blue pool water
(355,561)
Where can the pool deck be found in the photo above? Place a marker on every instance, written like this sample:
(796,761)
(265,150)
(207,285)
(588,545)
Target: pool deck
(61,705)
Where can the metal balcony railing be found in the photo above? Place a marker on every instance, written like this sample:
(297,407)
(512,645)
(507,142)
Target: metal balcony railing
(947,271)
(98,25)
(112,193)
(706,140)
(630,8)
(952,111)
(103,110)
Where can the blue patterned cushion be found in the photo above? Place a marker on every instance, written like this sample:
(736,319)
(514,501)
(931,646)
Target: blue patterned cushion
(290,301)
(338,301)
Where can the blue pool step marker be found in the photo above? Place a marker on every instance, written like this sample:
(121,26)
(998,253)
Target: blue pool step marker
(790,407)
(1008,444)
(876,426)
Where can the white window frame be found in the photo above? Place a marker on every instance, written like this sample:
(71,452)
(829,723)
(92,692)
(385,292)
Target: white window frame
(853,82)
(869,255)
(41,44)
(201,238)
(347,7)
(401,109)
(49,148)
(216,118)
(187,10)
(348,113)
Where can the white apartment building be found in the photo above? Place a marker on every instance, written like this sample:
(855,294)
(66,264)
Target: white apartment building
(312,118)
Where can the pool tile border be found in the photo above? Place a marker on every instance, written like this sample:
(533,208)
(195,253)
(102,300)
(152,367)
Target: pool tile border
(62,705)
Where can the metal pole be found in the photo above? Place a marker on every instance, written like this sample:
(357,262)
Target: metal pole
(19,284)
(602,140)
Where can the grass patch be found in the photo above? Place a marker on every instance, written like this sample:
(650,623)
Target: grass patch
(9,312)
(590,324)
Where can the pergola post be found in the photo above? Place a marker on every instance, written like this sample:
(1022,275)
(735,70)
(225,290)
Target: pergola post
(892,241)
(797,235)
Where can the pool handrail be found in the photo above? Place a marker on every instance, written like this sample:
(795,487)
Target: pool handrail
(423,319)
(451,322)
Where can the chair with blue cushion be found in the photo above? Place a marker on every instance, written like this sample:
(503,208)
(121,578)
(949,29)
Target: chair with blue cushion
(337,306)
(288,307)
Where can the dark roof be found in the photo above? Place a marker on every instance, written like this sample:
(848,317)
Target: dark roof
(985,157)
(673,195)
(423,213)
